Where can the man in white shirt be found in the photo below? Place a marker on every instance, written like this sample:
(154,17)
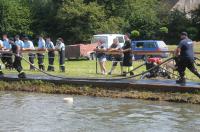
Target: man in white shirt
(60,47)
(41,47)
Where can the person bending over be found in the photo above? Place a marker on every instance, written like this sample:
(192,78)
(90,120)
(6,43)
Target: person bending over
(185,55)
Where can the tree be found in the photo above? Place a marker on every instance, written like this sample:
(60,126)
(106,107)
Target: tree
(78,21)
(15,17)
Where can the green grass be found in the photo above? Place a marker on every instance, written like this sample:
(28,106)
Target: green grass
(85,68)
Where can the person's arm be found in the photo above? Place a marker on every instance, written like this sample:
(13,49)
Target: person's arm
(178,49)
(127,50)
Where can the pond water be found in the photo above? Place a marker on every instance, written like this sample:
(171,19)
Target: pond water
(33,112)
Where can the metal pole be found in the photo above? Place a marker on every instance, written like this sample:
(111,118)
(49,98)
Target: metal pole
(96,63)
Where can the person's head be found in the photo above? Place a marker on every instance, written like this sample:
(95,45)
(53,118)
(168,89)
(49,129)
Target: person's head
(17,37)
(5,36)
(11,41)
(26,39)
(59,40)
(48,39)
(184,35)
(40,37)
(115,41)
(127,36)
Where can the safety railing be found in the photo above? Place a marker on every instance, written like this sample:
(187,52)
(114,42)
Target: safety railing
(89,68)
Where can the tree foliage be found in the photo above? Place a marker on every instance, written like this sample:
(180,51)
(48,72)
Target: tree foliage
(77,20)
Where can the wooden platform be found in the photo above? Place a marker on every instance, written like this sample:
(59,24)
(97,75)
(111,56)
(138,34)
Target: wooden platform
(121,84)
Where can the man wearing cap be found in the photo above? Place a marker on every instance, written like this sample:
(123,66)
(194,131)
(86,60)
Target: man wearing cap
(185,55)
(60,47)
(28,46)
(41,47)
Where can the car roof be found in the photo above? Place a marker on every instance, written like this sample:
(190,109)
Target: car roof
(109,35)
(147,41)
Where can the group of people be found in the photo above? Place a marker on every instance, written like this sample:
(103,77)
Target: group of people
(124,58)
(184,57)
(17,46)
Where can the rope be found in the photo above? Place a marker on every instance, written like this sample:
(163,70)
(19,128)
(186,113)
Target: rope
(98,79)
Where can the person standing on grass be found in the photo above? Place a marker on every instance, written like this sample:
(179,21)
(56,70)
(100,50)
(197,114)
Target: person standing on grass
(116,58)
(51,53)
(28,46)
(127,60)
(7,57)
(60,47)
(185,55)
(40,56)
(101,56)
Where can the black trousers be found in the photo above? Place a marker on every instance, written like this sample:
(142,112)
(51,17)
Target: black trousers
(62,57)
(62,60)
(51,56)
(17,64)
(7,60)
(40,61)
(184,63)
(31,60)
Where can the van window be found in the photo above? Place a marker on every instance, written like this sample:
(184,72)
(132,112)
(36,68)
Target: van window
(121,39)
(162,44)
(139,45)
(97,38)
(150,45)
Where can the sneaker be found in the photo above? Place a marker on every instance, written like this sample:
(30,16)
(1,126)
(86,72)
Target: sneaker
(181,81)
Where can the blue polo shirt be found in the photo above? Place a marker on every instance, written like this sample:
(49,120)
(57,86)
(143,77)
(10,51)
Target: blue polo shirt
(186,46)
(19,43)
(6,44)
(41,44)
(29,44)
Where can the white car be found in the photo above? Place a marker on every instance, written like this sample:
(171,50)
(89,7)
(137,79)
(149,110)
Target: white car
(108,39)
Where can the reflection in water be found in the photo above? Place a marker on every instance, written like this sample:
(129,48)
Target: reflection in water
(50,113)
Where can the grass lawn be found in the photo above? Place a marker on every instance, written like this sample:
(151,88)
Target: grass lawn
(85,68)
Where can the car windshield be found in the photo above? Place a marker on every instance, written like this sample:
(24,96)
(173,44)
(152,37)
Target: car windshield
(102,38)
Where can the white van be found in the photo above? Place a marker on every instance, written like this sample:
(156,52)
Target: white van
(108,38)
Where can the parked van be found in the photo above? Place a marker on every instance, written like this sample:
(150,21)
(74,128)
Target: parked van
(150,45)
(108,39)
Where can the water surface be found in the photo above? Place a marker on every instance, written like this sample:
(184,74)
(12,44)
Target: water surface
(31,112)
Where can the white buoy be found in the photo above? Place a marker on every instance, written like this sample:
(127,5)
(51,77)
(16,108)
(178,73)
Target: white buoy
(69,99)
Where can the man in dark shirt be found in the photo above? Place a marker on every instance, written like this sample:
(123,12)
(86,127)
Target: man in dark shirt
(17,61)
(185,55)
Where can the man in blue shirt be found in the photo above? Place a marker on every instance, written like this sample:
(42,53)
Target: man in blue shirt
(185,55)
(51,53)
(28,46)
(7,57)
(19,42)
(41,47)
